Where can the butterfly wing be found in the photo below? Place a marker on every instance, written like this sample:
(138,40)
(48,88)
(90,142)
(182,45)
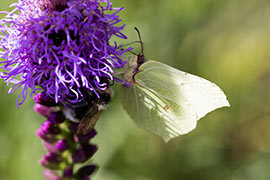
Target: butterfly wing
(157,114)
(168,102)
(178,86)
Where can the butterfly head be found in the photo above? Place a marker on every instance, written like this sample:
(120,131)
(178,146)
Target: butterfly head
(132,67)
(140,57)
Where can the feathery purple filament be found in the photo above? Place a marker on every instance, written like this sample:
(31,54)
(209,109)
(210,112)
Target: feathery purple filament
(66,52)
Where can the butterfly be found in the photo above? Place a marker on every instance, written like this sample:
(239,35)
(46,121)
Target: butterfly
(166,101)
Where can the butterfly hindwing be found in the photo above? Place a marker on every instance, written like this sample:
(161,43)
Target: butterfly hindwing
(156,114)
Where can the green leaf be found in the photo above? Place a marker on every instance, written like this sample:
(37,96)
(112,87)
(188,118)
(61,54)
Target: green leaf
(168,102)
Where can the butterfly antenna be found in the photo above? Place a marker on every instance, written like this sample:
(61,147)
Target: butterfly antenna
(140,38)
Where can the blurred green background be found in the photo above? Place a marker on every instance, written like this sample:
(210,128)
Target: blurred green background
(227,42)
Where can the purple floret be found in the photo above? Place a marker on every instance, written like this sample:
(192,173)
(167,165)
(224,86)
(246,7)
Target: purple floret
(64,51)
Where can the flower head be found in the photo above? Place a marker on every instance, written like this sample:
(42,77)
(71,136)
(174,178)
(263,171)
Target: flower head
(61,47)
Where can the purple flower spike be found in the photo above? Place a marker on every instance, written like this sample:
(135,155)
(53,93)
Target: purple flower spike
(67,152)
(61,47)
(61,145)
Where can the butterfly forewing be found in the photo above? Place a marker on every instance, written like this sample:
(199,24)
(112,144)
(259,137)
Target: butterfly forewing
(178,86)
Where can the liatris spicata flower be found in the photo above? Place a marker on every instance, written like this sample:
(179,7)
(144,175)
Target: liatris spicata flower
(62,49)
(66,149)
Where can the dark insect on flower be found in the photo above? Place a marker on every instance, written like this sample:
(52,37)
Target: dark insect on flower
(87,112)
(92,115)
(61,47)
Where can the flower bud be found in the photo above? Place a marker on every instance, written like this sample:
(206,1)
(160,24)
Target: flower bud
(84,139)
(89,150)
(51,160)
(56,117)
(50,128)
(43,110)
(61,145)
(78,156)
(49,147)
(46,137)
(50,175)
(85,171)
(53,157)
(43,99)
(68,172)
